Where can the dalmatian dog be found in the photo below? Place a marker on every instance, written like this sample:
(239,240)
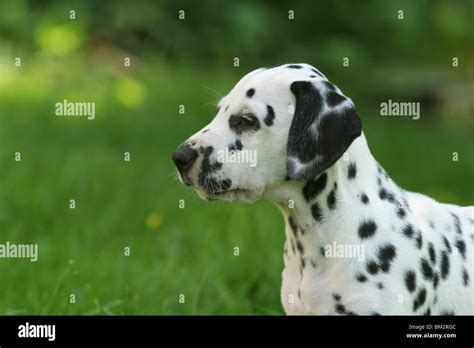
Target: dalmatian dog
(356,243)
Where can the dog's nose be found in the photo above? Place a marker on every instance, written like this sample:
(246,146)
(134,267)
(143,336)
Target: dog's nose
(184,157)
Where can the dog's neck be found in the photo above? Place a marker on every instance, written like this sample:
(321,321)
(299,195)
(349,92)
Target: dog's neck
(296,200)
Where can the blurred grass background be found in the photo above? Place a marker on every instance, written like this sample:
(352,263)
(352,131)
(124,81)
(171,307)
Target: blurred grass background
(135,204)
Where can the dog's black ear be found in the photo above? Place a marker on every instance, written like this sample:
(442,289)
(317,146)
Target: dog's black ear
(324,125)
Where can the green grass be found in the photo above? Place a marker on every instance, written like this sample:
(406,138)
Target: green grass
(81,251)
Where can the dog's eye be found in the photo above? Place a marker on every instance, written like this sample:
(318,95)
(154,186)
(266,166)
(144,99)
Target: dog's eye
(244,122)
(249,120)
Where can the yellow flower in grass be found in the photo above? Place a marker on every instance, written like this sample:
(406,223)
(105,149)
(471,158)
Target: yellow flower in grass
(153,221)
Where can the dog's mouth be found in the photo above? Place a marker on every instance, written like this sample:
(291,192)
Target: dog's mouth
(235,194)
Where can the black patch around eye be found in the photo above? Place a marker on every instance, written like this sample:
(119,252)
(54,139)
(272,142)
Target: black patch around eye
(294,66)
(240,124)
(334,99)
(250,92)
(268,120)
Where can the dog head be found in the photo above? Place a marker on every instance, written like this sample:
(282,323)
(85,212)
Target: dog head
(277,124)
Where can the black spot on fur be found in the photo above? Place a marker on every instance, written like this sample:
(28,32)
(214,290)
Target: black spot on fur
(352,171)
(250,92)
(465,277)
(336,296)
(457,223)
(316,212)
(332,197)
(321,250)
(401,212)
(435,280)
(237,146)
(294,66)
(293,225)
(226,108)
(431,224)
(444,265)
(312,76)
(268,120)
(408,231)
(419,240)
(419,300)
(410,280)
(319,74)
(334,98)
(205,130)
(313,264)
(386,255)
(446,243)
(428,312)
(340,308)
(367,229)
(303,262)
(364,198)
(299,246)
(372,267)
(432,252)
(361,278)
(380,286)
(315,187)
(382,194)
(426,269)
(461,246)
